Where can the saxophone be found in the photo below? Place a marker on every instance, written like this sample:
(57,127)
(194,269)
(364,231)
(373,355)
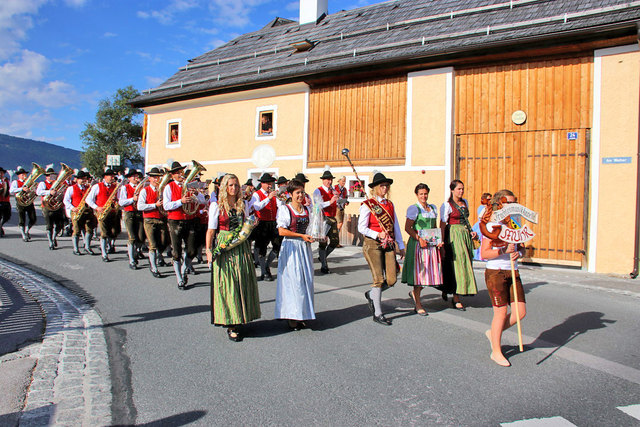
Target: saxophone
(28,194)
(83,202)
(165,180)
(111,204)
(53,203)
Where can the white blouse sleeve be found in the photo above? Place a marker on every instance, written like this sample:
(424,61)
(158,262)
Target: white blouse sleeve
(214,211)
(363,223)
(412,212)
(284,217)
(445,211)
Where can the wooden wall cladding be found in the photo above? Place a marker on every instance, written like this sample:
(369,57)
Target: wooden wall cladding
(368,118)
(555,95)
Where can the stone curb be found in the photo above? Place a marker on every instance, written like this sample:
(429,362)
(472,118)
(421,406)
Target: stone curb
(71,382)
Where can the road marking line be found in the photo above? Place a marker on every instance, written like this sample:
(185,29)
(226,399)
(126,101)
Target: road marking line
(631,410)
(537,422)
(594,362)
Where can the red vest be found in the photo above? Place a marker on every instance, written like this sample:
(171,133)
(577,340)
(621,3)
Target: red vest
(152,198)
(331,209)
(103,193)
(343,192)
(454,216)
(4,193)
(176,194)
(77,195)
(20,183)
(223,220)
(130,191)
(268,213)
(47,185)
(373,221)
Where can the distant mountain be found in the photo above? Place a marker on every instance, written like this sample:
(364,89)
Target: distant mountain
(16,151)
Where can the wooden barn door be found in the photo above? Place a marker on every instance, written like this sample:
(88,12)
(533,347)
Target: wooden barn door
(544,161)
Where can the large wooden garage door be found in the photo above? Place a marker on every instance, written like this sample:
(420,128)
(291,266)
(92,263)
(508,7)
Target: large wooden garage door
(544,161)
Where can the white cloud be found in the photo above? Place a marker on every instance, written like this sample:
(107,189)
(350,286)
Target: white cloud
(294,5)
(155,81)
(235,13)
(19,123)
(75,3)
(166,16)
(216,43)
(109,35)
(15,22)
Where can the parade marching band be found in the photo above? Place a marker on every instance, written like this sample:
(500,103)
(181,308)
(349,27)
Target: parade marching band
(172,211)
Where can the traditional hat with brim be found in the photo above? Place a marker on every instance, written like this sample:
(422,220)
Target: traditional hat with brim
(155,172)
(282,180)
(133,172)
(20,170)
(378,179)
(327,175)
(249,182)
(267,178)
(300,177)
(108,172)
(49,171)
(82,175)
(176,167)
(2,169)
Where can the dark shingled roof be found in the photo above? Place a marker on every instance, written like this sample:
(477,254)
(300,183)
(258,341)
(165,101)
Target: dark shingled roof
(392,32)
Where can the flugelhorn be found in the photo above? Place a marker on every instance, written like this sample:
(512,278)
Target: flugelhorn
(28,194)
(190,208)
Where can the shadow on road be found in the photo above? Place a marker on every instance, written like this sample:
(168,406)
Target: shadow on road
(181,419)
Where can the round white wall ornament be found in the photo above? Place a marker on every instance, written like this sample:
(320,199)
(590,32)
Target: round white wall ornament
(263,156)
(519,117)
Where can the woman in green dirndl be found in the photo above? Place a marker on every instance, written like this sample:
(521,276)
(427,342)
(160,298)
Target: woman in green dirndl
(422,262)
(458,263)
(234,288)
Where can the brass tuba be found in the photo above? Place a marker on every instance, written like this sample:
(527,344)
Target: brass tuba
(165,180)
(190,208)
(53,203)
(28,194)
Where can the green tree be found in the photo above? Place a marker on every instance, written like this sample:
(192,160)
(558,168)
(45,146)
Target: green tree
(115,131)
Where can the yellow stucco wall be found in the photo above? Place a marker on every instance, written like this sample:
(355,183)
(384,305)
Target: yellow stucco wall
(618,182)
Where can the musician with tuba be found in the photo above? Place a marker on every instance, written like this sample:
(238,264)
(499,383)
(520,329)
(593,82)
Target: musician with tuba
(179,203)
(22,189)
(53,215)
(5,201)
(82,217)
(155,225)
(133,220)
(102,199)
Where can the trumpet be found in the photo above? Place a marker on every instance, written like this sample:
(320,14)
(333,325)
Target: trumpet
(28,194)
(190,208)
(53,203)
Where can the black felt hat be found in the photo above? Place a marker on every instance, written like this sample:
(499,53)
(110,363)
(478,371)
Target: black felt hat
(282,180)
(154,171)
(327,175)
(267,178)
(82,175)
(175,167)
(249,182)
(20,170)
(108,171)
(300,177)
(2,169)
(379,178)
(133,172)
(49,171)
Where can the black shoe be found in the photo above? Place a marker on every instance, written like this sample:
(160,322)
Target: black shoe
(444,296)
(156,274)
(236,337)
(51,247)
(382,320)
(161,263)
(369,302)
(1,232)
(461,308)
(261,277)
(28,237)
(182,285)
(112,250)
(89,251)
(55,243)
(325,270)
(269,277)
(77,252)
(105,259)
(133,266)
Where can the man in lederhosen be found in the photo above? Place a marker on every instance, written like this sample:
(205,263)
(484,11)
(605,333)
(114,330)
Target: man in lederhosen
(181,225)
(84,221)
(343,201)
(109,225)
(23,211)
(53,219)
(326,193)
(133,220)
(5,200)
(265,205)
(155,226)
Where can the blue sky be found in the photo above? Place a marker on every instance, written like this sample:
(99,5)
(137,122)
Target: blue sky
(58,58)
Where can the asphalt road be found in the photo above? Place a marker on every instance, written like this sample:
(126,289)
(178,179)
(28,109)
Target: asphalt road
(171,366)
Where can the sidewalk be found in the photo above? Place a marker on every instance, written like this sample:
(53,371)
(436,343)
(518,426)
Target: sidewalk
(54,366)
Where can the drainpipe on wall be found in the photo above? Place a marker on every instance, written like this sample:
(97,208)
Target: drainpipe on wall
(636,250)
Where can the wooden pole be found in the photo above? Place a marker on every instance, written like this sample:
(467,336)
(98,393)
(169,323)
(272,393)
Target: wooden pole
(515,297)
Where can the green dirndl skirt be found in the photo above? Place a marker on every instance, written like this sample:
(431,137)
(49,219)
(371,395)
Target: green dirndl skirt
(459,257)
(234,288)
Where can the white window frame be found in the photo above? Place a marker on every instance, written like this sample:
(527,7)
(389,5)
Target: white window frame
(167,137)
(256,173)
(350,180)
(274,122)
